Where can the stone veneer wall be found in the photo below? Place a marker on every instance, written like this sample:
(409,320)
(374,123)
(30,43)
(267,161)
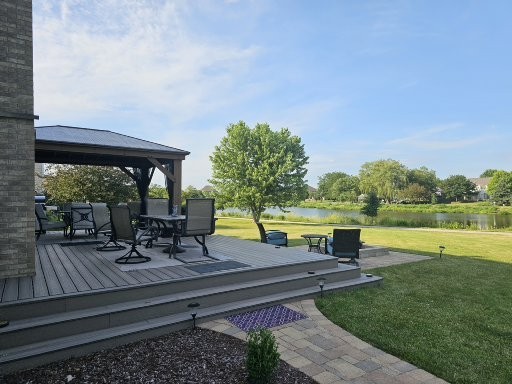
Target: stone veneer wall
(17,137)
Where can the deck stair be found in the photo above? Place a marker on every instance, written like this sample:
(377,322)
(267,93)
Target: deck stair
(42,331)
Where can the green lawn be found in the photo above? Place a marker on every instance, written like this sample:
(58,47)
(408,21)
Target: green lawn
(450,316)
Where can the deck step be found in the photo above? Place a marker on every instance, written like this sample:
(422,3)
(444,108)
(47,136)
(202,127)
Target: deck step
(42,352)
(53,305)
(41,328)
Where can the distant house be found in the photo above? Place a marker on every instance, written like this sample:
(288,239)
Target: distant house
(312,193)
(482,184)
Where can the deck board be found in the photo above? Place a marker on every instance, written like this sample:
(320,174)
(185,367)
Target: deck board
(91,280)
(81,268)
(2,285)
(74,274)
(11,289)
(50,277)
(25,288)
(38,281)
(65,280)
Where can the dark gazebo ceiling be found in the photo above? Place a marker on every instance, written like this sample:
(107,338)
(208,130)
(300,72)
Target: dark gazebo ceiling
(73,145)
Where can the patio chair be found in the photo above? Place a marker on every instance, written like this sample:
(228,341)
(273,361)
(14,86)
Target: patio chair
(272,236)
(81,217)
(43,224)
(102,219)
(199,222)
(158,206)
(346,244)
(123,230)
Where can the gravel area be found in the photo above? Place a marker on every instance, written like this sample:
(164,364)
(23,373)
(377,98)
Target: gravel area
(184,357)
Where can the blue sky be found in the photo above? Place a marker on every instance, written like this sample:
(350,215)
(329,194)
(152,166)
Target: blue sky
(426,83)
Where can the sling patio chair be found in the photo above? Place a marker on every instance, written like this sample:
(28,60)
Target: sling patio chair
(123,230)
(43,224)
(272,236)
(103,226)
(346,244)
(199,222)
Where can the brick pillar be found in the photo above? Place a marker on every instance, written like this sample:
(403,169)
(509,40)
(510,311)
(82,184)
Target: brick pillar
(17,137)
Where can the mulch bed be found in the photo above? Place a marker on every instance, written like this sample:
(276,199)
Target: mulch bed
(190,356)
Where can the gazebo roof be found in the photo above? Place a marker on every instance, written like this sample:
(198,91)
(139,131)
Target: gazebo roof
(75,145)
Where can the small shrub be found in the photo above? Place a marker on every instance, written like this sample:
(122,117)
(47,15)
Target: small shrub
(262,356)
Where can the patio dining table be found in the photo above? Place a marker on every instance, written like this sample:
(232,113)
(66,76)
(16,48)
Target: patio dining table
(167,221)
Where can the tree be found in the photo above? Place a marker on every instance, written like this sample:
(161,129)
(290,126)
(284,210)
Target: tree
(67,183)
(384,177)
(500,187)
(371,205)
(338,186)
(415,193)
(488,173)
(190,193)
(457,187)
(424,177)
(253,169)
(156,191)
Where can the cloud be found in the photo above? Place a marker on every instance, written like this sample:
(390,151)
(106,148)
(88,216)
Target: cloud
(438,137)
(97,58)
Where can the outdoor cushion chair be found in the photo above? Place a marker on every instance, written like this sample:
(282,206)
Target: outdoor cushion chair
(43,224)
(273,236)
(123,230)
(81,217)
(102,219)
(199,222)
(346,244)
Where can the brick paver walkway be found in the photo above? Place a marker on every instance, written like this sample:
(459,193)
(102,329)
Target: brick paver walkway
(331,355)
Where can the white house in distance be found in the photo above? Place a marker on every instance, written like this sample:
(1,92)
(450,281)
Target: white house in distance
(482,183)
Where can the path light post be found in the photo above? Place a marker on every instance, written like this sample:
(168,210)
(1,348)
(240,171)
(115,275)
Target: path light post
(441,249)
(321,283)
(192,307)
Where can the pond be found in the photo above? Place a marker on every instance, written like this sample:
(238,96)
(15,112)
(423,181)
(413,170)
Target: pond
(481,221)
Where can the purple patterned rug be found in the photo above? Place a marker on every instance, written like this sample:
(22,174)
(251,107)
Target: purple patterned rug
(265,318)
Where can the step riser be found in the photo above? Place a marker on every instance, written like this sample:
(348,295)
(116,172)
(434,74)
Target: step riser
(83,349)
(71,327)
(25,310)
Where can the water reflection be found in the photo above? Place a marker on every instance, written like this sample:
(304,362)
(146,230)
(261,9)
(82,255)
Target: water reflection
(480,221)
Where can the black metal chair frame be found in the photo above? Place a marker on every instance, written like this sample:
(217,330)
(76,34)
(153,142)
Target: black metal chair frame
(195,226)
(123,230)
(81,217)
(45,224)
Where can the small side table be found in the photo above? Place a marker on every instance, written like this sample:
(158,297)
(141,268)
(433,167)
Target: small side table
(315,241)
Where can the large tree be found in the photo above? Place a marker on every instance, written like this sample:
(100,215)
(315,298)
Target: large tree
(488,173)
(68,183)
(257,168)
(424,177)
(500,187)
(338,186)
(384,177)
(457,187)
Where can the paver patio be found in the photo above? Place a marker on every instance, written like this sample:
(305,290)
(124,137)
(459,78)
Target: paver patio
(331,355)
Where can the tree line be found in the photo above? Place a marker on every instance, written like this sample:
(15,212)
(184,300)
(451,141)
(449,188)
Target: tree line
(393,182)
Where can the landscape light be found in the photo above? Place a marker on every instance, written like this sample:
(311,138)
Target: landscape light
(321,283)
(441,249)
(192,307)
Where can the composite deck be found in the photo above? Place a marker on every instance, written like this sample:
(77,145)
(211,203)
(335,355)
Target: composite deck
(81,269)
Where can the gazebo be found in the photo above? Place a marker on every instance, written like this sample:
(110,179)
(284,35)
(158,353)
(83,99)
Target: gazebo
(137,158)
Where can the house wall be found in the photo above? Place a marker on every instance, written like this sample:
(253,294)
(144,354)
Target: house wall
(17,253)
